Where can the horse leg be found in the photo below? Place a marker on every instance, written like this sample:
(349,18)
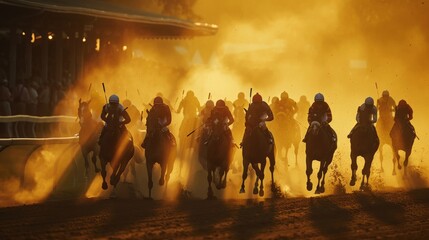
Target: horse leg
(85,157)
(319,176)
(258,176)
(261,186)
(366,171)
(223,185)
(271,157)
(221,173)
(120,169)
(162,177)
(354,168)
(209,180)
(296,149)
(396,159)
(380,149)
(244,176)
(407,156)
(309,171)
(325,170)
(94,161)
(149,167)
(103,173)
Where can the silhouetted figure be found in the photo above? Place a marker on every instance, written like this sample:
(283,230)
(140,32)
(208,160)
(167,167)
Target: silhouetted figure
(239,114)
(303,108)
(159,143)
(386,108)
(219,145)
(402,133)
(20,99)
(321,113)
(366,116)
(287,105)
(258,143)
(32,104)
(133,112)
(364,141)
(116,143)
(321,141)
(115,117)
(220,116)
(206,111)
(190,106)
(258,113)
(5,98)
(45,105)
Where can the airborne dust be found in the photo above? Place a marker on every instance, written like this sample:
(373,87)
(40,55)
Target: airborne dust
(343,49)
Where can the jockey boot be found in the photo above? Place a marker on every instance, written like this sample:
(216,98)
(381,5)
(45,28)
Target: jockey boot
(144,143)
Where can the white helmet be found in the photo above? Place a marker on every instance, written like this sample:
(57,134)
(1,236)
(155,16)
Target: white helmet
(114,99)
(369,101)
(319,98)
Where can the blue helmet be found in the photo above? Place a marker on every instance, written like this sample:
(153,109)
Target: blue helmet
(369,101)
(319,97)
(114,99)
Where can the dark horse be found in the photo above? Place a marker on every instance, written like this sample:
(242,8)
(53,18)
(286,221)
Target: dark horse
(256,149)
(364,142)
(219,157)
(161,149)
(290,134)
(403,136)
(88,135)
(320,147)
(116,148)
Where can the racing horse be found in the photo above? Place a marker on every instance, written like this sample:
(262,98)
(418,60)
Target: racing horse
(161,149)
(256,149)
(403,136)
(116,148)
(88,135)
(219,157)
(319,146)
(364,142)
(290,134)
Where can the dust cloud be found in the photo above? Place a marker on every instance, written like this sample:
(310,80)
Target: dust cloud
(343,49)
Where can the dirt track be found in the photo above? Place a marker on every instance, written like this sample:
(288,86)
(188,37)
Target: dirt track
(356,215)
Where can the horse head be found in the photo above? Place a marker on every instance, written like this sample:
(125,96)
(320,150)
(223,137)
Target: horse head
(84,111)
(315,127)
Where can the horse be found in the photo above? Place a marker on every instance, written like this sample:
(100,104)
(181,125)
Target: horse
(116,148)
(403,136)
(364,142)
(289,134)
(256,149)
(384,125)
(219,157)
(88,135)
(161,149)
(319,146)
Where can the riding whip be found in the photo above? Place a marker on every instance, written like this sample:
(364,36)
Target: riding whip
(104,90)
(250,93)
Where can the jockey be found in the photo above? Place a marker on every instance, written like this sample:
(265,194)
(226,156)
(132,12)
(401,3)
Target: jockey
(403,115)
(287,105)
(221,115)
(114,115)
(206,111)
(320,112)
(259,112)
(158,119)
(366,115)
(386,105)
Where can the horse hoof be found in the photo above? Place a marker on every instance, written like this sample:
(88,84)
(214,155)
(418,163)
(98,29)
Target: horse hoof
(322,189)
(317,191)
(211,197)
(399,167)
(353,182)
(104,185)
(261,193)
(161,182)
(255,191)
(242,190)
(309,186)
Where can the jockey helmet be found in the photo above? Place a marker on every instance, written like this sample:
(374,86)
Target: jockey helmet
(319,97)
(114,99)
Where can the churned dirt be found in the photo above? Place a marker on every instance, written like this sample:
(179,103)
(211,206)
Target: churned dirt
(368,215)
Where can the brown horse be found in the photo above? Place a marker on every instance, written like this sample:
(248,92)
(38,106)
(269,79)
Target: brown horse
(116,148)
(256,149)
(161,149)
(364,142)
(219,157)
(289,135)
(403,136)
(320,147)
(88,135)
